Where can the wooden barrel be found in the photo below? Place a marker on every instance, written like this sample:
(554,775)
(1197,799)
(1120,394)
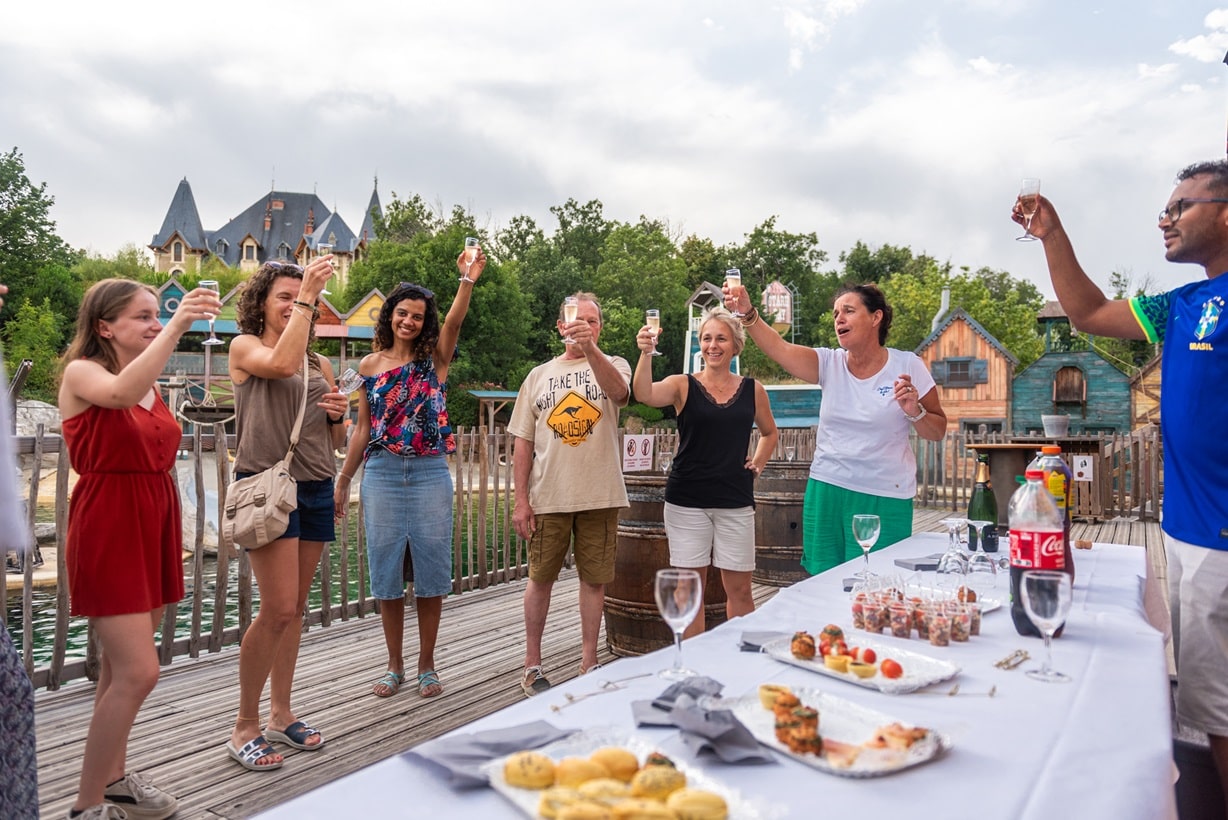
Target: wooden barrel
(779,492)
(632,624)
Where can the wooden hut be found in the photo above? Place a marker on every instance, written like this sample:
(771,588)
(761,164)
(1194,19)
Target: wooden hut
(973,372)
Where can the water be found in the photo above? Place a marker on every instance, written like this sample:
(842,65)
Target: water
(44,609)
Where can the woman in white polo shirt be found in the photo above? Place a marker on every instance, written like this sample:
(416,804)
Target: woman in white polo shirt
(873,396)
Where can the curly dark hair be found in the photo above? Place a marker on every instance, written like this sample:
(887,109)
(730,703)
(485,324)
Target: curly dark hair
(873,299)
(424,345)
(1217,169)
(249,312)
(104,301)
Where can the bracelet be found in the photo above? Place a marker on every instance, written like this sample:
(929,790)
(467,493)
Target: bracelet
(307,305)
(754,317)
(346,477)
(300,312)
(919,416)
(332,423)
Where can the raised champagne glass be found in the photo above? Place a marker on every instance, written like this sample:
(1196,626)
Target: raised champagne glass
(1029,201)
(211,284)
(679,594)
(471,254)
(733,279)
(324,249)
(571,309)
(652,317)
(349,381)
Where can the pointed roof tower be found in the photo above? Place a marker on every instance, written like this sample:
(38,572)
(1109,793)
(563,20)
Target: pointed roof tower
(181,218)
(367,232)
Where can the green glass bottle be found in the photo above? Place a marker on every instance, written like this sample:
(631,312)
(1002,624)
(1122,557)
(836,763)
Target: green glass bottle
(983,507)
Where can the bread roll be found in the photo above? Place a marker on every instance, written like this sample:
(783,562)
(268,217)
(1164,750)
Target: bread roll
(584,810)
(529,770)
(573,771)
(638,808)
(657,782)
(604,790)
(554,799)
(697,804)
(620,763)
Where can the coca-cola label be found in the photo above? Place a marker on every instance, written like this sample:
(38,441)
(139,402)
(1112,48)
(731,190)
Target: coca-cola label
(1037,549)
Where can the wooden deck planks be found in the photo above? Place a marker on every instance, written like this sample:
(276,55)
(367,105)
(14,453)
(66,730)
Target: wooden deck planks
(179,735)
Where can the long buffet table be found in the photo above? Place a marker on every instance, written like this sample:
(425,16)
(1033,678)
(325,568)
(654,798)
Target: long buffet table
(1099,747)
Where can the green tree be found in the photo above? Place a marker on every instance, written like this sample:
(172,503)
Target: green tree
(770,254)
(34,260)
(33,333)
(582,232)
(129,262)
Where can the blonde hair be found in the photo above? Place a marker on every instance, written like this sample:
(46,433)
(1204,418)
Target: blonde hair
(736,331)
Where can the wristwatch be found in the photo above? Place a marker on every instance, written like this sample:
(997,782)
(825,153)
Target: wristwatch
(919,416)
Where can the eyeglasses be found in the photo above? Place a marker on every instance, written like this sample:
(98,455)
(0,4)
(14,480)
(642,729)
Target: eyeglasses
(1175,208)
(426,292)
(273,263)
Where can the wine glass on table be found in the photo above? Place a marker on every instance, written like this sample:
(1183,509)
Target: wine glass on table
(665,458)
(324,249)
(953,565)
(1046,599)
(982,568)
(471,253)
(652,317)
(790,452)
(1029,201)
(679,595)
(865,532)
(733,278)
(211,284)
(571,309)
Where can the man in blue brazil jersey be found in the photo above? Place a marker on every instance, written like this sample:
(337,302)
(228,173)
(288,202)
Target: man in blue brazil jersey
(1190,321)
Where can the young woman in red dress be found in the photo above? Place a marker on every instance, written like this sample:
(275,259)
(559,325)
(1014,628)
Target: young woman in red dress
(124,550)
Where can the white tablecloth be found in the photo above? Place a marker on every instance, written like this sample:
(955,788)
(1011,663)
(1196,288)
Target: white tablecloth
(1100,747)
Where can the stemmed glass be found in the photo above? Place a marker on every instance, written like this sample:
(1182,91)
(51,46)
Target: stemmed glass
(324,249)
(1029,201)
(652,317)
(679,595)
(1046,599)
(211,284)
(733,279)
(571,308)
(790,452)
(471,253)
(982,568)
(665,458)
(349,381)
(865,533)
(953,562)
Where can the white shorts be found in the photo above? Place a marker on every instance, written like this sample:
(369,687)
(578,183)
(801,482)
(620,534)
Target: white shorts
(720,537)
(1198,596)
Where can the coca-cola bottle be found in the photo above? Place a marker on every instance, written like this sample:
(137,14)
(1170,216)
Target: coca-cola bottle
(1058,479)
(1036,541)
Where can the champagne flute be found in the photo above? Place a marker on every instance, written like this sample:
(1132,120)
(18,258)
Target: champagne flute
(571,308)
(790,452)
(1029,201)
(733,279)
(471,253)
(324,249)
(349,382)
(953,565)
(1046,599)
(211,284)
(865,532)
(679,595)
(653,319)
(665,459)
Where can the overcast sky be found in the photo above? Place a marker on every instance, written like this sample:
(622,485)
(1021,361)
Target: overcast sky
(886,121)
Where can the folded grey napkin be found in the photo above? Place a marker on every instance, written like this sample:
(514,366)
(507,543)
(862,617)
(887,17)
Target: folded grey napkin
(701,729)
(462,756)
(754,641)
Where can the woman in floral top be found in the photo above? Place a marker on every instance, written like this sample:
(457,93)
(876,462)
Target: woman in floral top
(404,437)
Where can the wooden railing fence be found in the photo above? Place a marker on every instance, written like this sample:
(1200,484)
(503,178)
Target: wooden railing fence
(221,598)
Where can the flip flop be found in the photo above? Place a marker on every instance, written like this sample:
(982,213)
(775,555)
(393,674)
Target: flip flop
(426,680)
(391,681)
(296,735)
(252,751)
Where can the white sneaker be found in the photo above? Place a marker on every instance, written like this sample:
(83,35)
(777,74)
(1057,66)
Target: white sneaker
(103,811)
(139,799)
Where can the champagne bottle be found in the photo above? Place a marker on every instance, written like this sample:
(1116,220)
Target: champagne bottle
(983,507)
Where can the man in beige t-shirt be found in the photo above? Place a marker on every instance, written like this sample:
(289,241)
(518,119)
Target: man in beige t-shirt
(569,482)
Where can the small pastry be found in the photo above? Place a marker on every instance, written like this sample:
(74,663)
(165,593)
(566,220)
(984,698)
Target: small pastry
(572,771)
(802,646)
(605,790)
(620,763)
(584,810)
(657,782)
(554,799)
(697,804)
(636,808)
(529,770)
(768,693)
